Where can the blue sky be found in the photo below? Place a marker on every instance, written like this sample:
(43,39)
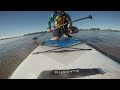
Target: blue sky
(17,23)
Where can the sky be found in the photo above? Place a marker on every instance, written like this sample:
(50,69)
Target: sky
(17,23)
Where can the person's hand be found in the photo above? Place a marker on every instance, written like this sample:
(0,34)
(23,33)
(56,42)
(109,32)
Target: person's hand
(70,31)
(49,30)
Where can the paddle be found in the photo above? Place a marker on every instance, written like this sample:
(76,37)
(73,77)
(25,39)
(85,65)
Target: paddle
(35,38)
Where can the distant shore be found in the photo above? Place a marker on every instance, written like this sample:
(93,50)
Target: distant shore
(100,30)
(24,35)
(35,33)
(10,38)
(46,32)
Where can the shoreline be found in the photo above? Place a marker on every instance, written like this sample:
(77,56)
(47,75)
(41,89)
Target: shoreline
(10,38)
(46,32)
(99,30)
(24,35)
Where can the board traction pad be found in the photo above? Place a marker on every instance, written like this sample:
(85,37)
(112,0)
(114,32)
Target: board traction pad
(62,42)
(69,73)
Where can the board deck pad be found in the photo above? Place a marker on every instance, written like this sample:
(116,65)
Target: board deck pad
(63,42)
(70,73)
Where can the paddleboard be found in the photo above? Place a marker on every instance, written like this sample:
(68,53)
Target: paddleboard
(67,59)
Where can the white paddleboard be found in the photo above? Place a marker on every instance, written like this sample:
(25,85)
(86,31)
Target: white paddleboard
(65,59)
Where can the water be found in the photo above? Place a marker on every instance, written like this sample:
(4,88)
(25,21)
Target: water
(14,51)
(107,42)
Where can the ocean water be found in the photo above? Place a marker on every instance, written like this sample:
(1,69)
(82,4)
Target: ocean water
(108,42)
(14,51)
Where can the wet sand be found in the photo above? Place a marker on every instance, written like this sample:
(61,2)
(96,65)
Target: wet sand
(14,51)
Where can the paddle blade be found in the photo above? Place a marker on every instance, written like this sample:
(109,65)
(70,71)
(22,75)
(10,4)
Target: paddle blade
(90,16)
(35,38)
